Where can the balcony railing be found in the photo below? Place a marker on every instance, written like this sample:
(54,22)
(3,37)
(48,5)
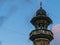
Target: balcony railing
(47,32)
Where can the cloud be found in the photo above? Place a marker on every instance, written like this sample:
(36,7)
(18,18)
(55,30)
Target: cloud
(56,31)
(2,19)
(7,11)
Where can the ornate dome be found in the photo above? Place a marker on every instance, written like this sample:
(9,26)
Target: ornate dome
(41,11)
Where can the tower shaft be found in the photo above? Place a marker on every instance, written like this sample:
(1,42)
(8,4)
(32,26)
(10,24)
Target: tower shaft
(41,41)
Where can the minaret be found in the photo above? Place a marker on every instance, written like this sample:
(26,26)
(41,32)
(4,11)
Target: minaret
(41,35)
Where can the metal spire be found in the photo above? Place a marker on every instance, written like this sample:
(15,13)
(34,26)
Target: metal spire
(41,4)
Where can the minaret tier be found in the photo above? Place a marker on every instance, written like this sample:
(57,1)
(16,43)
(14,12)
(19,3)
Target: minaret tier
(41,37)
(41,20)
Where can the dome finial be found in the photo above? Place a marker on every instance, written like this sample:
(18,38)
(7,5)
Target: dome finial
(40,3)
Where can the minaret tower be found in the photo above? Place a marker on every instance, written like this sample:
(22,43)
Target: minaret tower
(41,35)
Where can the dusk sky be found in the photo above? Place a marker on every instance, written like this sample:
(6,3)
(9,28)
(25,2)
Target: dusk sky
(15,16)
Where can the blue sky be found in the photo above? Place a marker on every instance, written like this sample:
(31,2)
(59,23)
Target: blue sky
(15,16)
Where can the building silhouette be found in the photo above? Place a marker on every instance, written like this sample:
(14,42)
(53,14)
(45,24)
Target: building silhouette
(41,35)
